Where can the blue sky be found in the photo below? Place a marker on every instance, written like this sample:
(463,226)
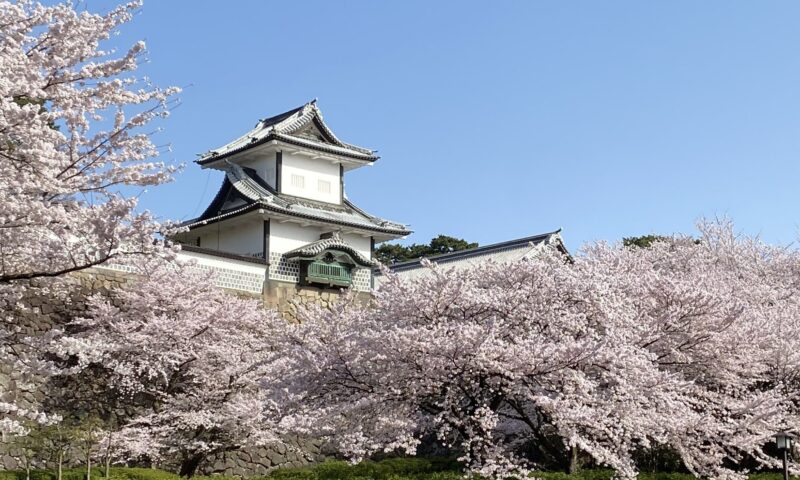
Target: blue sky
(497,120)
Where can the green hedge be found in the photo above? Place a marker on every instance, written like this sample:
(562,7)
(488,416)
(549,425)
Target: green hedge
(600,474)
(389,469)
(443,469)
(116,473)
(412,469)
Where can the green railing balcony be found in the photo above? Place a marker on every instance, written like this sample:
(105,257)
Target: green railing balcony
(329,273)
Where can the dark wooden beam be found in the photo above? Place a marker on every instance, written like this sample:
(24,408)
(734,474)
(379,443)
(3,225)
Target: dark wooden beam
(278,166)
(341,183)
(266,240)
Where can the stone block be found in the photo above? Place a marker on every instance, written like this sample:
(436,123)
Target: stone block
(275,457)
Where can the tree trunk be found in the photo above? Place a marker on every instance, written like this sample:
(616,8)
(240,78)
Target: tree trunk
(190,464)
(88,466)
(27,469)
(574,464)
(108,456)
(59,468)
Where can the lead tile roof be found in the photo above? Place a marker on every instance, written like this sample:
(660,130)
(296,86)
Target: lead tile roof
(258,194)
(287,127)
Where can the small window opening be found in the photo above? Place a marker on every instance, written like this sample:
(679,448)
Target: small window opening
(324,186)
(298,181)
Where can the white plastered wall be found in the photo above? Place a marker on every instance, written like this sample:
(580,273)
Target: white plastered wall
(229,273)
(312,171)
(284,237)
(264,165)
(243,238)
(361,244)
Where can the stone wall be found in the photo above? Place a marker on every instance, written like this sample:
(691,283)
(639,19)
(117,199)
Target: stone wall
(47,305)
(287,298)
(43,312)
(256,461)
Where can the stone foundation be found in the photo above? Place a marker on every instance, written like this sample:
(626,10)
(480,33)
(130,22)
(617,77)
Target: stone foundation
(256,461)
(38,312)
(286,297)
(41,313)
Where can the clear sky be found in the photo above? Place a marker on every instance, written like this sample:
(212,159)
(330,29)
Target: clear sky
(497,120)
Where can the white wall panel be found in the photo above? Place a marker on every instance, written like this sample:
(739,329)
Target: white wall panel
(312,171)
(284,237)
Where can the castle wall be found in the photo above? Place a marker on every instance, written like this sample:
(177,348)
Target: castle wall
(38,313)
(232,274)
(258,461)
(287,298)
(42,313)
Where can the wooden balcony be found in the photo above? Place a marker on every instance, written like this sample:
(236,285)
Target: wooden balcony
(331,274)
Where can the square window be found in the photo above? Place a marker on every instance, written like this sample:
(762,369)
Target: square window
(298,181)
(324,186)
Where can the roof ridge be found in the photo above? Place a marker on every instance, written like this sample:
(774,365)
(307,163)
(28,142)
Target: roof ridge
(517,242)
(283,127)
(265,122)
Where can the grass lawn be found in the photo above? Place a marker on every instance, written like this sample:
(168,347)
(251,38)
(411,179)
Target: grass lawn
(389,469)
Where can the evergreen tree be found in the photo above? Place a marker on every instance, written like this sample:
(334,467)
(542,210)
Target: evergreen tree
(390,253)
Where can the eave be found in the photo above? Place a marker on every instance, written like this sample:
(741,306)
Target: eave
(268,207)
(287,128)
(287,139)
(257,194)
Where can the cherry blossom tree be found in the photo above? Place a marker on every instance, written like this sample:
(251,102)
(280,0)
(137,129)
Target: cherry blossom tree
(73,131)
(680,345)
(72,124)
(191,357)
